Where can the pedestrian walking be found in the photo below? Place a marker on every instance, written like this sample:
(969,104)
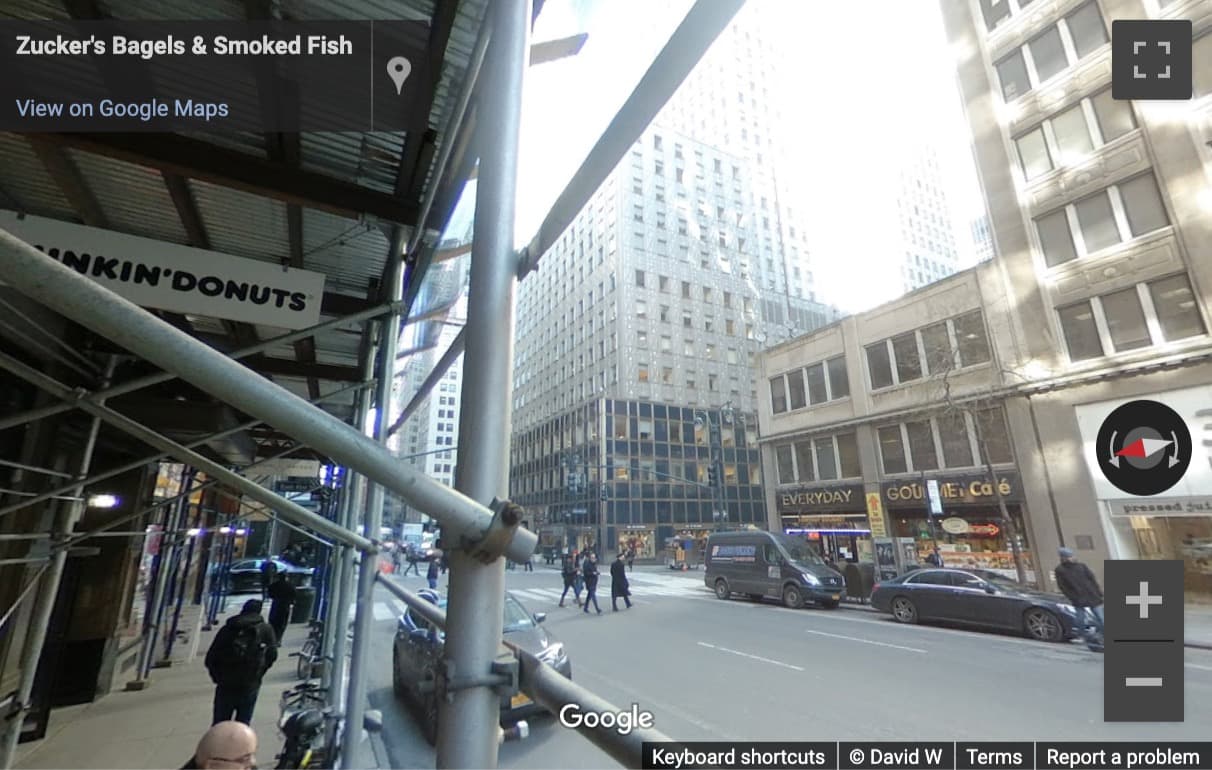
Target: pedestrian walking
(934,558)
(432,575)
(570,574)
(1077,582)
(412,563)
(591,582)
(395,560)
(282,593)
(241,653)
(631,558)
(268,570)
(619,585)
(226,745)
(530,563)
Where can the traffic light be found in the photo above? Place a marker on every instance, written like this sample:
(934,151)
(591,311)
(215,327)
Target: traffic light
(713,476)
(602,493)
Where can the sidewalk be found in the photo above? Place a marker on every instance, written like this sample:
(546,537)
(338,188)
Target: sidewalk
(158,727)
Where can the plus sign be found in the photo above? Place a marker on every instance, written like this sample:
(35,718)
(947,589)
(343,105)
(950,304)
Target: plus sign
(1144,600)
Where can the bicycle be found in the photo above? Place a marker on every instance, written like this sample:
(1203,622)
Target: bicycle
(304,715)
(309,654)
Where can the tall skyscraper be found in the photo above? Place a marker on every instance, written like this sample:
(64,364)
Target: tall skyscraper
(982,239)
(927,231)
(634,389)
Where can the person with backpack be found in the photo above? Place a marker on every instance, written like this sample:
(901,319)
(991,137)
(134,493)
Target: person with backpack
(243,650)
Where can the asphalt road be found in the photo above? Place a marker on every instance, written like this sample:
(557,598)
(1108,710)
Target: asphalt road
(720,670)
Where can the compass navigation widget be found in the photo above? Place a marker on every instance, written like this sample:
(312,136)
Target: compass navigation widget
(1144,447)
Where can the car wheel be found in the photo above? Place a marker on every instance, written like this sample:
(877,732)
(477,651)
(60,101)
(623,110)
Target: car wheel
(830,604)
(793,597)
(1042,625)
(904,610)
(721,589)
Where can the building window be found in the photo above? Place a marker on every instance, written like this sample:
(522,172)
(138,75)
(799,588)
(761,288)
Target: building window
(1012,72)
(953,435)
(818,392)
(1087,30)
(908,362)
(1177,314)
(664,314)
(892,449)
(641,309)
(1080,330)
(1072,134)
(839,383)
(685,290)
(687,319)
(1125,320)
(993,436)
(879,365)
(1048,54)
(848,456)
(795,386)
(936,341)
(804,463)
(1033,153)
(667,375)
(641,339)
(971,339)
(921,445)
(639,278)
(1093,225)
(643,372)
(778,395)
(666,343)
(786,465)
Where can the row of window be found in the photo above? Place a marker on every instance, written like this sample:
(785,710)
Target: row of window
(950,440)
(689,348)
(1119,213)
(1052,51)
(1146,314)
(1070,135)
(665,285)
(826,381)
(935,349)
(731,328)
(690,381)
(824,458)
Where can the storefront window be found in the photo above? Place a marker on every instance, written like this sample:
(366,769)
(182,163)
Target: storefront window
(1186,538)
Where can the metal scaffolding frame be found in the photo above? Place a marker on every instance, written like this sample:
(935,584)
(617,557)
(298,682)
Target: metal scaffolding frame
(479,525)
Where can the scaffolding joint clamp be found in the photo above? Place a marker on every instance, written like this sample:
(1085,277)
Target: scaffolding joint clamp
(507,516)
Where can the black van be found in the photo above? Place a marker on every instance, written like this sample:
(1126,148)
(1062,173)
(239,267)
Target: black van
(767,565)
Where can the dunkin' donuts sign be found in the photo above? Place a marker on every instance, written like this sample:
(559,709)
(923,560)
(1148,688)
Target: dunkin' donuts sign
(180,279)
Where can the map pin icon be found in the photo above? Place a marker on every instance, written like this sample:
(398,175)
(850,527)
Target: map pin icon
(398,70)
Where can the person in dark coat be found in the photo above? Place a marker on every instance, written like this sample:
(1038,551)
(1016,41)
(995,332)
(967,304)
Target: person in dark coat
(242,651)
(1077,582)
(618,583)
(282,593)
(268,570)
(591,582)
(432,574)
(934,558)
(568,570)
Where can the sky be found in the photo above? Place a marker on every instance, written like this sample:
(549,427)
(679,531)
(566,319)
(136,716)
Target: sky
(855,91)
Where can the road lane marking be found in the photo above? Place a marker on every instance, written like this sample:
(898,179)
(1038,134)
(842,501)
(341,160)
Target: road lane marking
(637,697)
(866,641)
(751,657)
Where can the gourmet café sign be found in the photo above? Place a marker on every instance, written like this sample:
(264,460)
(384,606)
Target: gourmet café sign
(180,279)
(838,498)
(962,490)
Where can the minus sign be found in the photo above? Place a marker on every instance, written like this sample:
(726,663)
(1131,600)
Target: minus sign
(1142,681)
(1142,641)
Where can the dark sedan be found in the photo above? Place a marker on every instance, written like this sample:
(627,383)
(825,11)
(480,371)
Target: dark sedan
(244,575)
(418,646)
(975,597)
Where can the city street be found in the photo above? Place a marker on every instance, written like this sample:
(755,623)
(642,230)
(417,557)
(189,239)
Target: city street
(719,670)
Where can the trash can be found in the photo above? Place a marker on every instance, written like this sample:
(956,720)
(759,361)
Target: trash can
(305,599)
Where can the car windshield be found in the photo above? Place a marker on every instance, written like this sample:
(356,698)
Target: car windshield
(516,616)
(799,551)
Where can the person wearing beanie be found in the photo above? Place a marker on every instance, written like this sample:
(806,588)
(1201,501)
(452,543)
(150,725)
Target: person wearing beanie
(1077,582)
(242,651)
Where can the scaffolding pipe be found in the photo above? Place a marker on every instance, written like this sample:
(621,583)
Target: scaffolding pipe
(53,493)
(29,587)
(35,469)
(187,456)
(447,360)
(164,567)
(351,745)
(48,592)
(469,717)
(147,381)
(125,324)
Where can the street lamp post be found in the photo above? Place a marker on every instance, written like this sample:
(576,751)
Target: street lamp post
(715,476)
